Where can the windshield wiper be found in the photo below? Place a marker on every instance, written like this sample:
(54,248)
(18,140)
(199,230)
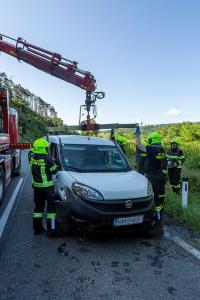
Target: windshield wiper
(73,168)
(104,170)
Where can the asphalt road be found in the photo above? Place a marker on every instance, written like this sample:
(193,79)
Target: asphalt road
(89,267)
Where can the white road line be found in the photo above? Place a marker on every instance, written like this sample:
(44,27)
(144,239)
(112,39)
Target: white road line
(6,213)
(186,246)
(181,243)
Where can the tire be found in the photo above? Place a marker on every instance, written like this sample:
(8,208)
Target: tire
(64,222)
(17,171)
(2,184)
(67,227)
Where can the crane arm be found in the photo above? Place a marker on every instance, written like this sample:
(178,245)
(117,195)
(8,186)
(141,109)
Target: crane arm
(49,62)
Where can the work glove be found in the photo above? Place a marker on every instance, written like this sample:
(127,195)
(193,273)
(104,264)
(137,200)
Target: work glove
(165,175)
(137,132)
(169,164)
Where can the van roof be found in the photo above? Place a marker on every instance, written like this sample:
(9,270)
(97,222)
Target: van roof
(79,140)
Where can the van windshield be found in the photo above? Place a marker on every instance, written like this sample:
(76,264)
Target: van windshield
(93,158)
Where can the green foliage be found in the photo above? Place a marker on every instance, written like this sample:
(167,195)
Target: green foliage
(188,135)
(34,124)
(189,215)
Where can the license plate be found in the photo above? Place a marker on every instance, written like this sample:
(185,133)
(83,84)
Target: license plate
(128,220)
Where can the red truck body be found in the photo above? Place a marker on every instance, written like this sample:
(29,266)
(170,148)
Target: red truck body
(10,148)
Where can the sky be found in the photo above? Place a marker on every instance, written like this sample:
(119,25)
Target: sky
(144,54)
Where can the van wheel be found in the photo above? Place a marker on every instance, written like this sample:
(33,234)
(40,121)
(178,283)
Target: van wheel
(2,184)
(64,222)
(67,226)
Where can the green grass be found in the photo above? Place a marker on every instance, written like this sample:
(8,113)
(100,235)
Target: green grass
(189,215)
(173,207)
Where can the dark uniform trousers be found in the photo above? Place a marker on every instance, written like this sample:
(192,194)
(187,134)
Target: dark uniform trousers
(175,178)
(158,184)
(41,195)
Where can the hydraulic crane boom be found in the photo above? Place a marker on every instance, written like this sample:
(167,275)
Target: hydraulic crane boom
(53,64)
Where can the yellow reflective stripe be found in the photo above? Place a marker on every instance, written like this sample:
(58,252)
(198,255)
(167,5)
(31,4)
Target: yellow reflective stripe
(51,215)
(37,215)
(172,156)
(175,157)
(41,184)
(158,208)
(43,174)
(162,196)
(160,156)
(31,162)
(177,186)
(53,168)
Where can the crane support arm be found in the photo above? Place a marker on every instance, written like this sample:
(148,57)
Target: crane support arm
(49,62)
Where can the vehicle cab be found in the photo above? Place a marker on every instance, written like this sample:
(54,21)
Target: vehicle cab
(97,184)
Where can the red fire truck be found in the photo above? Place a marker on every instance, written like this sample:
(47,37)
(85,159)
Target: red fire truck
(10,148)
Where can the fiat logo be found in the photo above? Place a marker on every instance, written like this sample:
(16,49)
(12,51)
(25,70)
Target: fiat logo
(128,204)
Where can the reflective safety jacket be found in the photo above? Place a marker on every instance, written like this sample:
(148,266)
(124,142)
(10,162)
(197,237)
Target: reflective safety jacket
(156,158)
(175,156)
(42,168)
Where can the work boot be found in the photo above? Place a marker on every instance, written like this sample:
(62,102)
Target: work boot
(51,233)
(38,231)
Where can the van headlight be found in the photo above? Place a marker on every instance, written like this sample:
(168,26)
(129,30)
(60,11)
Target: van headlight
(86,192)
(149,189)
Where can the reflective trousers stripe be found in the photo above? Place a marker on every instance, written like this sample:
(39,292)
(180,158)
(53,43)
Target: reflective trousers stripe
(37,215)
(52,217)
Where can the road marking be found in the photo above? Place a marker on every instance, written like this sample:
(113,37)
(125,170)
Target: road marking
(181,243)
(7,211)
(186,246)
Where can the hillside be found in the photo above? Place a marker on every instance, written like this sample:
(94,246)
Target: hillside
(34,113)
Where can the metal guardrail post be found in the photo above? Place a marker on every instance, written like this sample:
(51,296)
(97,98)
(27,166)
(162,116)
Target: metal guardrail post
(184,199)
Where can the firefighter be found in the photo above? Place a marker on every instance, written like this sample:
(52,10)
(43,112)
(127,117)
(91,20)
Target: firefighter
(121,141)
(156,167)
(42,169)
(175,158)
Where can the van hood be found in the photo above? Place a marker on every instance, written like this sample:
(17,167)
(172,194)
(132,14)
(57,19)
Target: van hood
(123,185)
